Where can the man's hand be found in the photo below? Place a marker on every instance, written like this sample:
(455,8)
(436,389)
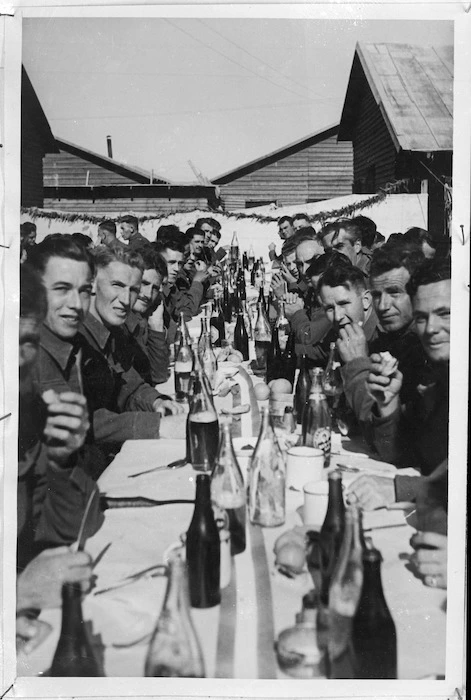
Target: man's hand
(287,275)
(40,584)
(278,284)
(67,424)
(371,492)
(351,342)
(30,633)
(272,246)
(168,407)
(430,557)
(384,387)
(202,272)
(293,303)
(214,270)
(173,426)
(156,319)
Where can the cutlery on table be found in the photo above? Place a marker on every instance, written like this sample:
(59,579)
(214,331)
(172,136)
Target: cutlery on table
(108,502)
(157,569)
(177,464)
(79,545)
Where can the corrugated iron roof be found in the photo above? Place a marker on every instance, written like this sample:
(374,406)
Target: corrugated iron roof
(413,87)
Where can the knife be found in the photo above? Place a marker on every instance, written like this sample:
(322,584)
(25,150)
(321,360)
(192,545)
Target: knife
(177,464)
(79,545)
(107,502)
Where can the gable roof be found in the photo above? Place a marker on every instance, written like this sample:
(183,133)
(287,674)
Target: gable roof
(270,158)
(412,86)
(131,172)
(31,105)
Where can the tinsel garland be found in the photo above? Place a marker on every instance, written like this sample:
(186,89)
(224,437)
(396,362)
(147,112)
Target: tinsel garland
(348,210)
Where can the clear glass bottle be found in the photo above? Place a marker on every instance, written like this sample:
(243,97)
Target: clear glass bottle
(374,632)
(206,353)
(217,322)
(174,649)
(282,326)
(297,650)
(267,477)
(183,366)
(251,258)
(290,359)
(228,491)
(74,655)
(234,253)
(203,549)
(203,425)
(317,423)
(262,335)
(344,595)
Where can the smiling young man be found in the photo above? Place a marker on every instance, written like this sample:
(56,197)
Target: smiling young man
(145,323)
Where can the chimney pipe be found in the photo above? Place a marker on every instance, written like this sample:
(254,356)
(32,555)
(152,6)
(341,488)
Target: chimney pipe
(110,149)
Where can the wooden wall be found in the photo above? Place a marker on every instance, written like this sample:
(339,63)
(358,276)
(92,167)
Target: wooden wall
(373,147)
(32,152)
(321,171)
(123,206)
(66,169)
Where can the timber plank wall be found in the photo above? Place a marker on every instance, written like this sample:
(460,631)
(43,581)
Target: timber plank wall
(66,169)
(318,172)
(121,206)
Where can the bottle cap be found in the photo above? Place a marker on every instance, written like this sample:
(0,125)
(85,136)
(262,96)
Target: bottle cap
(311,600)
(372,555)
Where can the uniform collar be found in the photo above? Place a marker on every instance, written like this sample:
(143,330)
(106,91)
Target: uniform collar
(60,349)
(97,330)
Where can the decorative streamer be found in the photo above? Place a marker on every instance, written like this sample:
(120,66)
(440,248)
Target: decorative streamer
(391,188)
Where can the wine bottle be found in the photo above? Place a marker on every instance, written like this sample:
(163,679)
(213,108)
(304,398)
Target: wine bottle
(267,477)
(289,359)
(241,338)
(282,326)
(274,359)
(217,322)
(227,490)
(331,534)
(317,423)
(303,389)
(262,336)
(203,426)
(203,554)
(374,632)
(174,649)
(74,655)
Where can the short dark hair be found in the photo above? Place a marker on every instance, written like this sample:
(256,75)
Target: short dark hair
(192,232)
(282,220)
(393,257)
(170,243)
(130,219)
(342,276)
(419,236)
(215,225)
(82,239)
(108,225)
(33,300)
(59,245)
(168,232)
(307,233)
(299,216)
(430,271)
(26,228)
(153,260)
(367,230)
(330,258)
(105,255)
(351,228)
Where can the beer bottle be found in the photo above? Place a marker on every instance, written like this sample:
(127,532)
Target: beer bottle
(262,336)
(245,261)
(344,595)
(274,358)
(174,649)
(203,554)
(289,359)
(253,273)
(282,326)
(317,423)
(302,391)
(374,632)
(203,426)
(183,366)
(227,489)
(234,253)
(74,654)
(266,492)
(241,338)
(331,534)
(206,353)
(217,322)
(251,260)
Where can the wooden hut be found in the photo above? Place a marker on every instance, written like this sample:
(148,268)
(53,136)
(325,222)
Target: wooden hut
(314,168)
(79,180)
(398,115)
(36,141)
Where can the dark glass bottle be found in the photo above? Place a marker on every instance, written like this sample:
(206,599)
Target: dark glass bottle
(245,261)
(217,322)
(74,653)
(241,285)
(262,336)
(174,650)
(331,534)
(241,338)
(374,632)
(226,302)
(203,554)
(303,389)
(228,491)
(203,425)
(274,359)
(289,359)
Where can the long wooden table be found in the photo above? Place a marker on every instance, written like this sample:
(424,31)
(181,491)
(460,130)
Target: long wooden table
(237,637)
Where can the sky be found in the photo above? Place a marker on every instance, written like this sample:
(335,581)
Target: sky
(216,92)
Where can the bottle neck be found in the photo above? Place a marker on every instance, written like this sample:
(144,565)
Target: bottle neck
(335,507)
(203,494)
(372,584)
(72,620)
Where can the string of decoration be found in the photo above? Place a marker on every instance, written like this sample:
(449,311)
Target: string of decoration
(346,211)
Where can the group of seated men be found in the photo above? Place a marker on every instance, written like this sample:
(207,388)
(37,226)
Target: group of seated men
(96,324)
